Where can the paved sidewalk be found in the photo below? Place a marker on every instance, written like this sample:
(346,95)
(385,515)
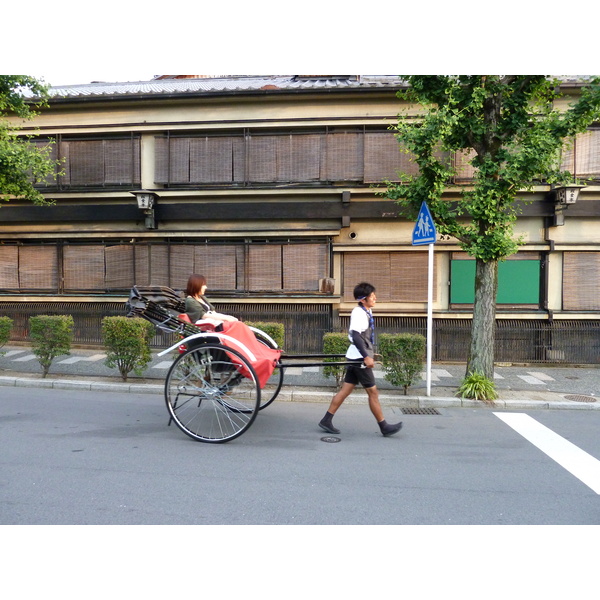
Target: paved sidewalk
(519,386)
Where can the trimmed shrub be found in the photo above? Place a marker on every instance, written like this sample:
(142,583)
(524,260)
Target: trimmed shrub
(6,324)
(51,336)
(276,331)
(335,343)
(127,342)
(403,355)
(476,386)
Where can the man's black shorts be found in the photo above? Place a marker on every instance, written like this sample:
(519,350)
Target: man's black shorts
(356,374)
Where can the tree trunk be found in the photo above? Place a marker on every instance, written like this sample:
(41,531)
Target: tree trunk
(481,351)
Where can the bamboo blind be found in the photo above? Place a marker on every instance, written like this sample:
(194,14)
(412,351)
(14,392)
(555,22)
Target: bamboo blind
(384,158)
(161,160)
(298,157)
(121,161)
(264,267)
(216,160)
(219,264)
(294,157)
(227,267)
(119,266)
(86,162)
(582,158)
(179,160)
(38,267)
(581,274)
(397,276)
(343,158)
(9,267)
(181,265)
(262,158)
(304,265)
(83,267)
(151,264)
(97,162)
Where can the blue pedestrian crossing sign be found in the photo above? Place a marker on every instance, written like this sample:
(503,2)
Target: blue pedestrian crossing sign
(424,231)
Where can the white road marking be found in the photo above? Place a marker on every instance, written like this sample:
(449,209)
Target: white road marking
(541,376)
(530,379)
(74,359)
(95,357)
(70,361)
(434,377)
(578,462)
(165,364)
(293,371)
(441,373)
(25,358)
(496,376)
(12,352)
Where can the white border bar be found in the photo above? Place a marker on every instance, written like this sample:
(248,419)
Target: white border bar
(579,463)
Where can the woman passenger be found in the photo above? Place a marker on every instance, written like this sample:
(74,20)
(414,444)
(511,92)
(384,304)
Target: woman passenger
(196,305)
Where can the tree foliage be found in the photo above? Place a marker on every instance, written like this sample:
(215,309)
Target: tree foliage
(22,163)
(6,324)
(513,130)
(335,343)
(51,336)
(127,342)
(403,355)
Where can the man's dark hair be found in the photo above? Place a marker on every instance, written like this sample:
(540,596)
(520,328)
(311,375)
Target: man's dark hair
(362,290)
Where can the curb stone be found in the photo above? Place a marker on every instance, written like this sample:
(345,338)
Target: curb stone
(517,400)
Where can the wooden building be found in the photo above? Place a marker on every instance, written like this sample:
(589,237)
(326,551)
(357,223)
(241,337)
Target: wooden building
(266,185)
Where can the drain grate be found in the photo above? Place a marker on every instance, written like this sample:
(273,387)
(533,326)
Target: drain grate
(579,398)
(421,411)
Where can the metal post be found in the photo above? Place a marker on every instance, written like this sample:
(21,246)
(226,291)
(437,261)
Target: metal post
(429,315)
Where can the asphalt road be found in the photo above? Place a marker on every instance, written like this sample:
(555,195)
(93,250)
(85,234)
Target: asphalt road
(71,457)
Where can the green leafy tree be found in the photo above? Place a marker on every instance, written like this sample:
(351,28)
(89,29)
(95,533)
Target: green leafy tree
(6,324)
(514,130)
(51,336)
(22,164)
(127,342)
(337,344)
(403,356)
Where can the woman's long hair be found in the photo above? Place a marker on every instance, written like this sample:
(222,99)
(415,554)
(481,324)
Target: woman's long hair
(194,284)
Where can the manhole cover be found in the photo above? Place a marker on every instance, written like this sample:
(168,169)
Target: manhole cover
(421,411)
(331,439)
(578,398)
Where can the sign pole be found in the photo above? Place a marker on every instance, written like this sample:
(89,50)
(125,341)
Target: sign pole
(429,315)
(425,233)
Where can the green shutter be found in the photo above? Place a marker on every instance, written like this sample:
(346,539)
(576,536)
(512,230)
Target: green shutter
(518,282)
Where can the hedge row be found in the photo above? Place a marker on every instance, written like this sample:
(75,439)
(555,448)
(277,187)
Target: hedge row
(127,342)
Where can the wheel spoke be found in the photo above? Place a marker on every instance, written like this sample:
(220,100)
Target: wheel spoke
(212,393)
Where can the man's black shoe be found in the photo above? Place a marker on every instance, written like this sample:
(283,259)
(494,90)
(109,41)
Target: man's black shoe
(387,430)
(328,427)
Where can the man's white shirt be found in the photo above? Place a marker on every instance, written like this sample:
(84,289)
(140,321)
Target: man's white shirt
(359,321)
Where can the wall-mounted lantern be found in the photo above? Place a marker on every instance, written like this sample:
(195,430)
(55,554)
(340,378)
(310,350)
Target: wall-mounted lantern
(563,196)
(145,202)
(568,194)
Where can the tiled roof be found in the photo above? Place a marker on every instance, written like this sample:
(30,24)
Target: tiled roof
(225,84)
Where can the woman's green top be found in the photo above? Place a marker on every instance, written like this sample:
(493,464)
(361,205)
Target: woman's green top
(197,309)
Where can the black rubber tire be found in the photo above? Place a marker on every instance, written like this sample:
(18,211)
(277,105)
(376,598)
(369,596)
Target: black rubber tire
(212,393)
